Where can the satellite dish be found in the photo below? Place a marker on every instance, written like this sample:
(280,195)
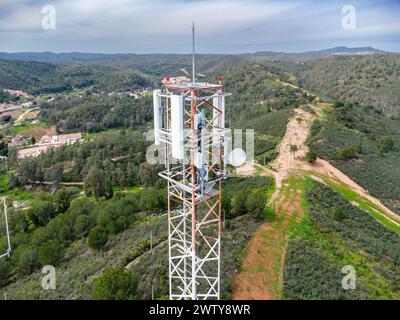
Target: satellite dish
(237,157)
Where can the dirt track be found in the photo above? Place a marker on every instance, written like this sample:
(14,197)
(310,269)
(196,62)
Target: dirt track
(257,278)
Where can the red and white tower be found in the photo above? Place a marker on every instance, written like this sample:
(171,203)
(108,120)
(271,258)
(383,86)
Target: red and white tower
(189,120)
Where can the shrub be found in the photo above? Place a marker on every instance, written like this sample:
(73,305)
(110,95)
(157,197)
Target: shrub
(98,237)
(51,252)
(82,224)
(386,145)
(41,213)
(238,203)
(255,203)
(5,271)
(339,215)
(41,235)
(346,153)
(25,258)
(311,157)
(64,197)
(115,284)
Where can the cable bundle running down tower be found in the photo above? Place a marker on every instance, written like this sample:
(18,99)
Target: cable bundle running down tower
(189,121)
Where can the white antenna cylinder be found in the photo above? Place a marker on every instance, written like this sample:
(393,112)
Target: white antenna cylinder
(157,122)
(219,118)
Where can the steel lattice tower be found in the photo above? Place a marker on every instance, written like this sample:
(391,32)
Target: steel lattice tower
(189,121)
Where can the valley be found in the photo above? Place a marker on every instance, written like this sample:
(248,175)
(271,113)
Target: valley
(326,165)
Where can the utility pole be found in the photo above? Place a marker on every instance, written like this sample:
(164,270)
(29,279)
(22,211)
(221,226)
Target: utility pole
(8,252)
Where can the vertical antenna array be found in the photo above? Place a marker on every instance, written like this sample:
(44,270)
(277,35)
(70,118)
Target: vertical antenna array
(189,123)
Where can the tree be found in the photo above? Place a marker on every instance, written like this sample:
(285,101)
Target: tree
(311,156)
(81,206)
(29,171)
(98,183)
(64,197)
(293,149)
(115,284)
(98,237)
(148,174)
(150,200)
(54,174)
(255,203)
(41,235)
(13,182)
(82,224)
(94,182)
(26,258)
(41,213)
(50,253)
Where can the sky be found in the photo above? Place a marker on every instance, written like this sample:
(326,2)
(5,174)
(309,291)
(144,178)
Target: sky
(222,26)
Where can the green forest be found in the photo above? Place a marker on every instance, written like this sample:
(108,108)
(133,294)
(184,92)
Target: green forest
(90,208)
(82,237)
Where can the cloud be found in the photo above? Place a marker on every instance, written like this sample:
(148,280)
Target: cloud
(163,26)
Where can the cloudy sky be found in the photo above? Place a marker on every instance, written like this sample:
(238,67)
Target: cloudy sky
(223,26)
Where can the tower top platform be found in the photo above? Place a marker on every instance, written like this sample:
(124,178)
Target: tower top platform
(197,86)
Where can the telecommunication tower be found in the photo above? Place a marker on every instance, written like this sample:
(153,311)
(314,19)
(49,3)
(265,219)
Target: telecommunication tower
(189,123)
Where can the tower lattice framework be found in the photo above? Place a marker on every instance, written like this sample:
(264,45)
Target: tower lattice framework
(190,127)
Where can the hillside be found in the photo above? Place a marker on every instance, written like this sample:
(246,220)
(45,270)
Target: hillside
(270,269)
(334,166)
(333,234)
(366,79)
(42,77)
(365,144)
(300,57)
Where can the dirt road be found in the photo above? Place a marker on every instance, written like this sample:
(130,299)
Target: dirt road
(261,271)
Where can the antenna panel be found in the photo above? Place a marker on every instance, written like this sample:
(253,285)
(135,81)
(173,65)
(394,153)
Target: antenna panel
(157,122)
(219,119)
(177,126)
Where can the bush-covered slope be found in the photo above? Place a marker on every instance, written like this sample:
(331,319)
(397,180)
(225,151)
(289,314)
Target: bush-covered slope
(334,234)
(128,222)
(42,77)
(261,101)
(365,145)
(367,79)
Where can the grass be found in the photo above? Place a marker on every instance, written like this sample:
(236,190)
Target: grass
(271,241)
(367,206)
(129,189)
(27,128)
